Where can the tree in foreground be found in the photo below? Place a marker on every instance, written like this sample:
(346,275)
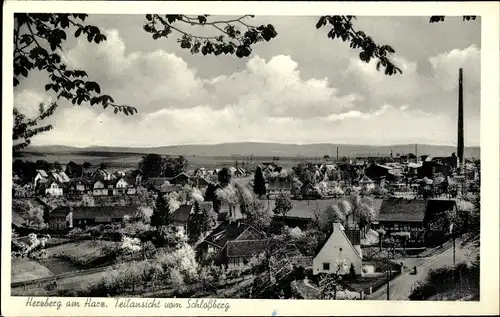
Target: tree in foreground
(259,183)
(39,38)
(161,212)
(283,204)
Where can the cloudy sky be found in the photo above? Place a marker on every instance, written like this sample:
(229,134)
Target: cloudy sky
(301,87)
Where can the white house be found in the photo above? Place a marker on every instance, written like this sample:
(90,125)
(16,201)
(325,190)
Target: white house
(338,248)
(366,183)
(41,177)
(121,186)
(99,189)
(54,189)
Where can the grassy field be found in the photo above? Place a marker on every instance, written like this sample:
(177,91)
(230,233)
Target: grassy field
(27,269)
(81,252)
(117,161)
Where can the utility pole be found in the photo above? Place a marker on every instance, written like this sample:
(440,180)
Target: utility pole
(460,137)
(388,279)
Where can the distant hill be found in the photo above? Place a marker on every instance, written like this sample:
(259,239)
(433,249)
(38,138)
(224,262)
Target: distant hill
(261,149)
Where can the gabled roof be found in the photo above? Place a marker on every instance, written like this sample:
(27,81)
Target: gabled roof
(227,231)
(245,248)
(101,212)
(206,205)
(17,220)
(305,209)
(365,179)
(182,213)
(384,166)
(353,237)
(42,173)
(182,174)
(404,210)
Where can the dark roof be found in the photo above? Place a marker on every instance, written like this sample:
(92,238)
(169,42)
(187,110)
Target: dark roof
(60,211)
(79,180)
(410,210)
(306,208)
(158,181)
(182,174)
(407,210)
(98,212)
(245,248)
(226,231)
(17,220)
(206,205)
(182,213)
(279,184)
(353,236)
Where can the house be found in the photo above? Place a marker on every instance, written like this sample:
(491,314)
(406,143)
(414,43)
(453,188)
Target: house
(90,216)
(366,183)
(377,172)
(54,188)
(241,251)
(125,185)
(278,186)
(180,217)
(232,170)
(239,172)
(61,218)
(60,177)
(99,188)
(410,215)
(339,246)
(200,172)
(18,222)
(309,191)
(181,179)
(157,183)
(200,182)
(41,177)
(79,186)
(221,242)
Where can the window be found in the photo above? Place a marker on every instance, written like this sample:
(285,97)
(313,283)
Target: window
(340,249)
(326,266)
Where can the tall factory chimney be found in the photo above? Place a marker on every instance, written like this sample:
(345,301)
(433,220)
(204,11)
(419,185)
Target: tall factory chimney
(460,138)
(416,154)
(337,153)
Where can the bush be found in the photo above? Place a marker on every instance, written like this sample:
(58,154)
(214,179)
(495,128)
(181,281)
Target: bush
(461,279)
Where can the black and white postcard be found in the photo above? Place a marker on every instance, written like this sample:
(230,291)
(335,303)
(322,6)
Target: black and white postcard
(195,158)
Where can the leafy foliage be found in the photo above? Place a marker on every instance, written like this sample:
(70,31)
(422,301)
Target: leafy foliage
(283,204)
(342,28)
(230,39)
(26,128)
(155,165)
(161,212)
(460,282)
(224,177)
(37,40)
(259,183)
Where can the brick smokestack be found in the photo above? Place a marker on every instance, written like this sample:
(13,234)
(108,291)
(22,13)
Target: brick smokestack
(460,138)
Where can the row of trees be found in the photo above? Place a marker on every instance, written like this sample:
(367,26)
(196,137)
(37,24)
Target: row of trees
(27,170)
(155,165)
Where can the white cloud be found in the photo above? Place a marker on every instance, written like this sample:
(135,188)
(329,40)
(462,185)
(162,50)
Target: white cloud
(266,100)
(27,101)
(387,125)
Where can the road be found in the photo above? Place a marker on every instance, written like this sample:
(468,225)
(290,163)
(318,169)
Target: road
(401,286)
